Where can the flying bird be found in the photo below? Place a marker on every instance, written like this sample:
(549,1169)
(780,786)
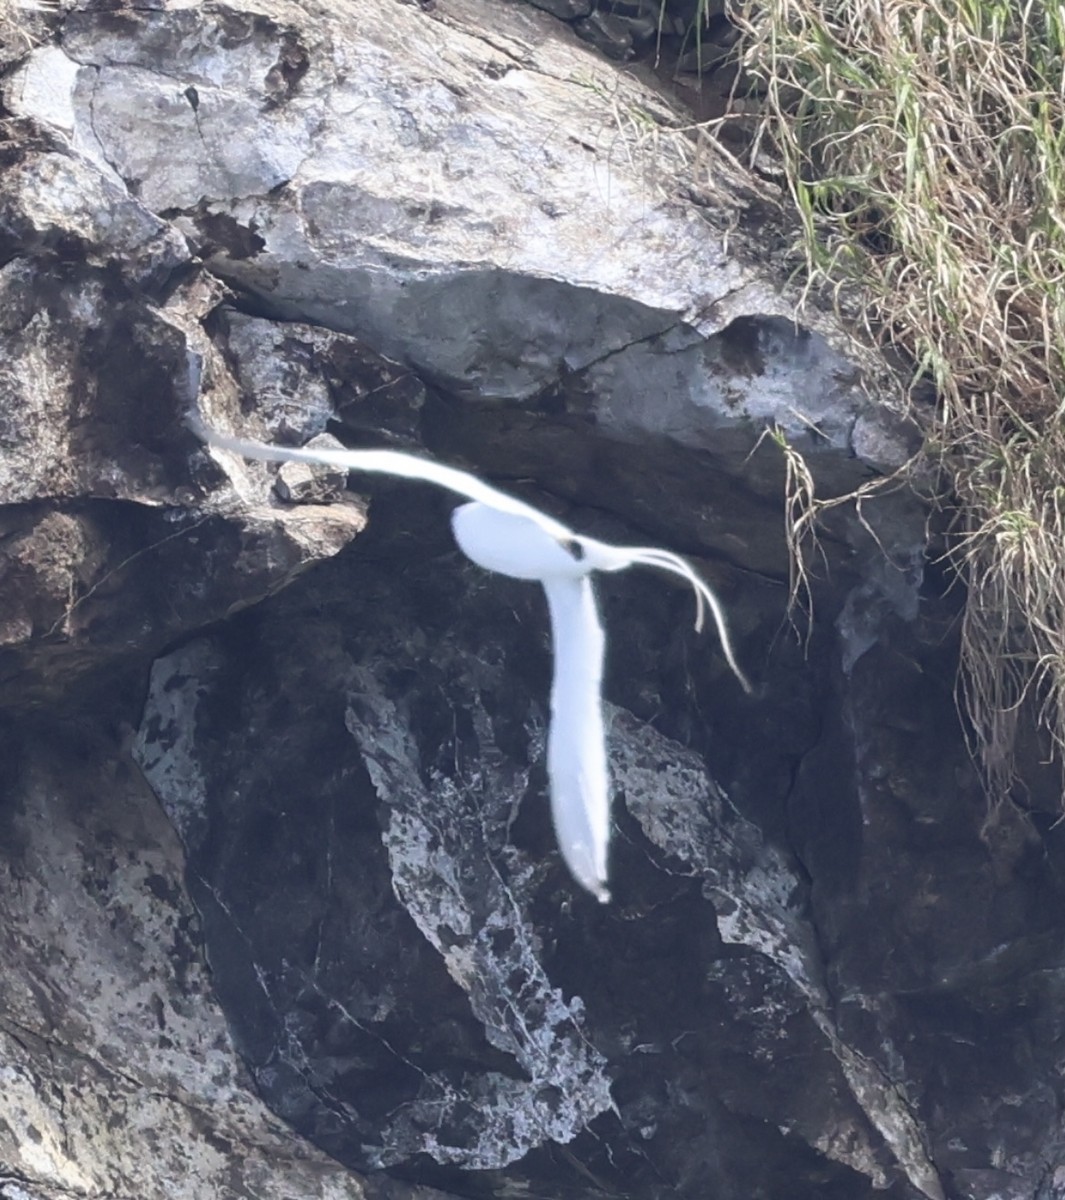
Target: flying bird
(506,535)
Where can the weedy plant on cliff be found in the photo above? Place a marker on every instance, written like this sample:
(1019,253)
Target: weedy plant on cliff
(16,18)
(924,146)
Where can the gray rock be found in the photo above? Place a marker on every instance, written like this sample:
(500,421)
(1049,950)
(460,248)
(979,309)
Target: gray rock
(609,34)
(568,10)
(443,227)
(304,483)
(119,1074)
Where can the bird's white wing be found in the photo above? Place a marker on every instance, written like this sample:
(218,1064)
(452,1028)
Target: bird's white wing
(383,462)
(576,742)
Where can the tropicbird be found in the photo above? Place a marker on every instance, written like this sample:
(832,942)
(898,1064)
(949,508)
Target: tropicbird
(504,534)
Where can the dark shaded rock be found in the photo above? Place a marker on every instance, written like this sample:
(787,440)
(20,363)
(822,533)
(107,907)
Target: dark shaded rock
(609,34)
(566,9)
(57,206)
(119,1074)
(302,377)
(106,587)
(412,732)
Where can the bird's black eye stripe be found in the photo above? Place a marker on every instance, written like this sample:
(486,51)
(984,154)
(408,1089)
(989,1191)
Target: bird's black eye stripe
(573,548)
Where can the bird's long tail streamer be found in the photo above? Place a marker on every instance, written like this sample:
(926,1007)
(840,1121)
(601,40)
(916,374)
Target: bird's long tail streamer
(664,560)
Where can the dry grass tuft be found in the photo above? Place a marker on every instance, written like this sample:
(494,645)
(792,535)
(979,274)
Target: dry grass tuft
(19,26)
(924,145)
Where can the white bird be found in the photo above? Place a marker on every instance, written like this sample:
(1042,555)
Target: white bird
(504,534)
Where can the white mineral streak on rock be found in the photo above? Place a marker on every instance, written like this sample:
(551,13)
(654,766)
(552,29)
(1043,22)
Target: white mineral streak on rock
(491,951)
(682,810)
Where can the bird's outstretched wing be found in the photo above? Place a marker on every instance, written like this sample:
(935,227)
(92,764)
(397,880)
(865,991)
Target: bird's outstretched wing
(383,462)
(576,742)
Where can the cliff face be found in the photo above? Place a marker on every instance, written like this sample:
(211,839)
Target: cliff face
(282,910)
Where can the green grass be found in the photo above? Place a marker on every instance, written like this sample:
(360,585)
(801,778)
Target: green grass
(924,148)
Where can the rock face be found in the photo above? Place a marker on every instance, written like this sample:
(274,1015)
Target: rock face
(283,913)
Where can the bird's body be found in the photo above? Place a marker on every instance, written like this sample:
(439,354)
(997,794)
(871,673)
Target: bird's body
(514,544)
(506,535)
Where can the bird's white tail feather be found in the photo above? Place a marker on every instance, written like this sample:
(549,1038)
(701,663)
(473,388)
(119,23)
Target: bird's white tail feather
(663,560)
